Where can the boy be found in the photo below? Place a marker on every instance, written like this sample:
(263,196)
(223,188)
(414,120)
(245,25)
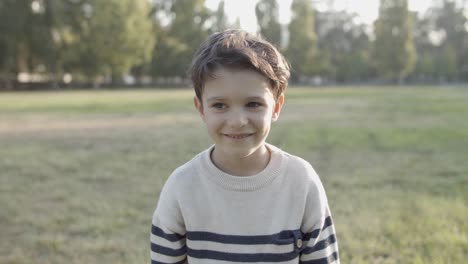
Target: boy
(242,200)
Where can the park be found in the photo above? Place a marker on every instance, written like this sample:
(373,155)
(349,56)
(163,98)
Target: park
(95,115)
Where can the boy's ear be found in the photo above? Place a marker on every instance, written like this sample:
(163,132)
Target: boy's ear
(198,105)
(277,107)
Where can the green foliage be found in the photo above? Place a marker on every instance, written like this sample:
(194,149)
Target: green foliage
(267,13)
(220,19)
(18,29)
(301,49)
(343,47)
(90,37)
(55,33)
(98,40)
(114,36)
(426,63)
(34,35)
(446,62)
(11,35)
(393,49)
(450,20)
(180,37)
(440,39)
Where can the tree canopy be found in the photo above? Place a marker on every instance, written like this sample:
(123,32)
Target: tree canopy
(95,41)
(393,49)
(267,12)
(301,49)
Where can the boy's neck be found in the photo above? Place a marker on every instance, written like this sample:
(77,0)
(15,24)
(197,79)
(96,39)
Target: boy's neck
(245,166)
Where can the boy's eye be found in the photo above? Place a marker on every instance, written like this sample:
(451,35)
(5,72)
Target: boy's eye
(219,105)
(254,104)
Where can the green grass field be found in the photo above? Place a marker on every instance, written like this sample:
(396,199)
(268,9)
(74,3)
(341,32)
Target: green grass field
(80,172)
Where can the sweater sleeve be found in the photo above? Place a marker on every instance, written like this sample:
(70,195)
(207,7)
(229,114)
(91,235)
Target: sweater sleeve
(319,245)
(166,245)
(168,240)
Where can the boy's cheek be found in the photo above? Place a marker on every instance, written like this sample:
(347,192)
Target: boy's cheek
(210,123)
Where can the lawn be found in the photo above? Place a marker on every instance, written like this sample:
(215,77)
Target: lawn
(81,171)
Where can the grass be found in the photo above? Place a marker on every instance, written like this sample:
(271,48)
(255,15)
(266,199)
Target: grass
(80,172)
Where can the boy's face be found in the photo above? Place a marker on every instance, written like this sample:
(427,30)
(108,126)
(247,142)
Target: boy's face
(238,108)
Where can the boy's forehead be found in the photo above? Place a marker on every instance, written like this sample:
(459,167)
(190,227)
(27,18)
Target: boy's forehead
(237,76)
(236,82)
(227,70)
(236,88)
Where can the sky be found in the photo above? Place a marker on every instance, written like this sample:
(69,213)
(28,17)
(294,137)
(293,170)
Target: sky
(366,9)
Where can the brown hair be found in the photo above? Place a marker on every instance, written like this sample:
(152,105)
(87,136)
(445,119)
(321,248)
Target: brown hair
(239,49)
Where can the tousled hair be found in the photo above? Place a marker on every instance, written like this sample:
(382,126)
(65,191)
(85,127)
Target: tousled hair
(239,49)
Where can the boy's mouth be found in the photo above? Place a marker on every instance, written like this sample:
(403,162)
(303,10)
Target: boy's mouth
(238,136)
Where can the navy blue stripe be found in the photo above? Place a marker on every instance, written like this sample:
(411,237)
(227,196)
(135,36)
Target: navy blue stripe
(326,260)
(238,257)
(312,235)
(178,262)
(160,233)
(168,251)
(315,233)
(282,238)
(320,245)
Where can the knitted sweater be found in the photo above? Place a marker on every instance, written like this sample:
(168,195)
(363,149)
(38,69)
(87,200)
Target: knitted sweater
(280,215)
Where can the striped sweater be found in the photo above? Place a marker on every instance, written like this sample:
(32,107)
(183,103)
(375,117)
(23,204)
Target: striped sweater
(280,215)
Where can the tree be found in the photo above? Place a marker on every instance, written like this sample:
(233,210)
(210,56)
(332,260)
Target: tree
(36,34)
(182,27)
(23,38)
(267,13)
(55,30)
(441,41)
(114,36)
(425,67)
(14,45)
(343,46)
(301,49)
(393,49)
(450,22)
(221,21)
(236,24)
(89,37)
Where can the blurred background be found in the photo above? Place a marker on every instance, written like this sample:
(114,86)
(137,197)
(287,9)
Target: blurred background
(96,112)
(90,43)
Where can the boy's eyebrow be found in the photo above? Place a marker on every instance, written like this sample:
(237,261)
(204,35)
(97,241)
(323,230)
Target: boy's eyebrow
(259,98)
(221,98)
(215,98)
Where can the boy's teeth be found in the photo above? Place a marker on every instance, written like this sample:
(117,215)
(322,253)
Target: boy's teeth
(237,137)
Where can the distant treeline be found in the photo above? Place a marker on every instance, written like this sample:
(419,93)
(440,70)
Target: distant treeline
(82,43)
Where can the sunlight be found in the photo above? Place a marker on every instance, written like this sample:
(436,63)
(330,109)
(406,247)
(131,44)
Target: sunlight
(367,10)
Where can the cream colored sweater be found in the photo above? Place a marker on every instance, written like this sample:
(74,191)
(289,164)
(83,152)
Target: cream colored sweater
(280,215)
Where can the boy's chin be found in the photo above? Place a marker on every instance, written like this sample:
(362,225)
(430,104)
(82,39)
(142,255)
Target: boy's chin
(239,152)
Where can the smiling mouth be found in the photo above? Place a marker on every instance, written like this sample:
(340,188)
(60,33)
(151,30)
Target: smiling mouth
(238,136)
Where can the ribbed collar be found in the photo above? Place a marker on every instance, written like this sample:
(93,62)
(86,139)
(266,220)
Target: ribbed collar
(275,167)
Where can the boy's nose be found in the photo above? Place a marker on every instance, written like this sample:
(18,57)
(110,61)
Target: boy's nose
(237,119)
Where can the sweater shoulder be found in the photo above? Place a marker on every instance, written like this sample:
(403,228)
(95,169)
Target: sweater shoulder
(185,174)
(300,169)
(178,184)
(308,183)
(301,174)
